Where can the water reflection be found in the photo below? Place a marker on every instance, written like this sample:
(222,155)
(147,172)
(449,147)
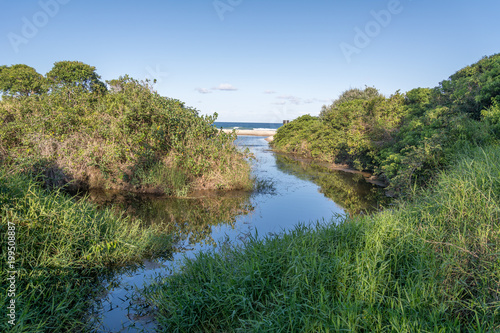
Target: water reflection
(349,190)
(190,220)
(301,192)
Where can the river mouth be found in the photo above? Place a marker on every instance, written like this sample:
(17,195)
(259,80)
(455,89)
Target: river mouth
(291,191)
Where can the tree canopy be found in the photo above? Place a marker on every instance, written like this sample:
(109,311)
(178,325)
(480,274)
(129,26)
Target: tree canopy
(20,80)
(75,74)
(406,137)
(351,95)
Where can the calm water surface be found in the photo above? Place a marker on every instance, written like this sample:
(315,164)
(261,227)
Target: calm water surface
(294,191)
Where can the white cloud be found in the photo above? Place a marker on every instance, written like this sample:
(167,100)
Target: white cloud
(203,91)
(297,100)
(292,99)
(225,87)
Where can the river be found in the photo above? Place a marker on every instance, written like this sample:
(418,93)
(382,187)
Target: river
(291,191)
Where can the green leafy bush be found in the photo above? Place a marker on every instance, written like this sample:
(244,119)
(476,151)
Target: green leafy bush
(128,137)
(403,138)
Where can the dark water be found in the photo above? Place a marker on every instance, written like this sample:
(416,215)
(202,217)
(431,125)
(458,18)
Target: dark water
(292,191)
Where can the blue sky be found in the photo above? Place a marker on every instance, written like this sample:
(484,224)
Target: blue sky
(255,60)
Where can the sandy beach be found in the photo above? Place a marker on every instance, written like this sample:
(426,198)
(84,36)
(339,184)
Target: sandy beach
(269,134)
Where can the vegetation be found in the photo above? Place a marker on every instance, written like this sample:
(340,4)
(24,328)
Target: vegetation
(351,191)
(405,137)
(76,130)
(431,265)
(70,130)
(62,249)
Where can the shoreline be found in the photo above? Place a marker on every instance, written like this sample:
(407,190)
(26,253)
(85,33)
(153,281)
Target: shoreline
(368,176)
(269,134)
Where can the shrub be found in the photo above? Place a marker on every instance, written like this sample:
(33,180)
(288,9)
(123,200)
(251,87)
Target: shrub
(127,138)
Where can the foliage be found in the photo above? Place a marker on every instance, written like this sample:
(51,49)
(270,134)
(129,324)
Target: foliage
(491,117)
(20,80)
(431,265)
(403,138)
(352,132)
(75,74)
(351,95)
(471,89)
(130,138)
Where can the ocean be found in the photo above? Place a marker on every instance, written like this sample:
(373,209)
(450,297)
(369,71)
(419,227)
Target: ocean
(247,126)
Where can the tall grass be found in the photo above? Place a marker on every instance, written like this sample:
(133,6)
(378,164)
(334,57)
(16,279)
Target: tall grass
(61,248)
(430,265)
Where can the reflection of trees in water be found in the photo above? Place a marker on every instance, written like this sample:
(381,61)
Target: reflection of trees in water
(188,219)
(348,190)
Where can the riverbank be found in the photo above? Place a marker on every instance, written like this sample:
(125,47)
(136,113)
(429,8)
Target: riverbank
(61,250)
(290,191)
(403,138)
(430,264)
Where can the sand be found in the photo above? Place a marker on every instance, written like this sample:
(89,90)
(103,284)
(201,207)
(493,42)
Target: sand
(269,134)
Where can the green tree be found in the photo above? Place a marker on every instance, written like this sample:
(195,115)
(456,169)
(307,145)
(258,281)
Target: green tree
(350,95)
(20,80)
(75,74)
(473,88)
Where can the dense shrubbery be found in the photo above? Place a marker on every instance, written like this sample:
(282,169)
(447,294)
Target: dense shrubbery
(404,137)
(69,126)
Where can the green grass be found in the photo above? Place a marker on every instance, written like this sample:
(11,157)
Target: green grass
(63,247)
(430,265)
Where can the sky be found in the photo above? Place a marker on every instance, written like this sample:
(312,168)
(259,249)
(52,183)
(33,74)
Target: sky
(255,60)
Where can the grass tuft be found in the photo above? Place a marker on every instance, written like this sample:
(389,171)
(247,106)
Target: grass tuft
(61,248)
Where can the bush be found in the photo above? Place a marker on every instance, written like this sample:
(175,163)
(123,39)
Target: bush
(128,138)
(403,138)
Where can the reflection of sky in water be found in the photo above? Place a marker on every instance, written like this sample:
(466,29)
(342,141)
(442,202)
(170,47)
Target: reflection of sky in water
(294,200)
